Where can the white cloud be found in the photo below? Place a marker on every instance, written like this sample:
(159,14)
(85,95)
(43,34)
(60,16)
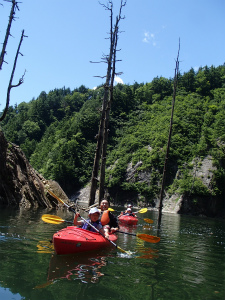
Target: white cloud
(149,38)
(146,37)
(117,79)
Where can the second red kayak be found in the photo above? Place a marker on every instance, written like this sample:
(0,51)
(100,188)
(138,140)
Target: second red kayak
(73,240)
(129,220)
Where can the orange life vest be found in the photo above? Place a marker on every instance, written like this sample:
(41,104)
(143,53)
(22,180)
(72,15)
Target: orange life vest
(105,217)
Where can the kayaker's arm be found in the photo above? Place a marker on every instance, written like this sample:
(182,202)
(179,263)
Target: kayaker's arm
(75,221)
(121,214)
(106,231)
(106,234)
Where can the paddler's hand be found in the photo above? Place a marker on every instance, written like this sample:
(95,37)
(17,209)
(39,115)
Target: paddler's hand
(77,215)
(114,229)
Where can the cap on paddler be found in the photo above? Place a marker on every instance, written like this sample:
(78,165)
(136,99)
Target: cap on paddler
(93,210)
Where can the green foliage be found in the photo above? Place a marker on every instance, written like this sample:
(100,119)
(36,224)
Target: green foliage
(57,133)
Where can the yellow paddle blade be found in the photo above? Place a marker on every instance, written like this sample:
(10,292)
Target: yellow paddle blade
(148,238)
(52,219)
(148,220)
(142,211)
(111,209)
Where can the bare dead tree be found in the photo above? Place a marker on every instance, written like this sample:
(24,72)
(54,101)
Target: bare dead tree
(169,137)
(3,52)
(10,86)
(106,123)
(109,60)
(8,34)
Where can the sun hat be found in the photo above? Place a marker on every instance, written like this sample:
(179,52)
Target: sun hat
(93,210)
(129,209)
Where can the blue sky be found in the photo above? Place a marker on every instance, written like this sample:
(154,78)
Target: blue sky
(65,35)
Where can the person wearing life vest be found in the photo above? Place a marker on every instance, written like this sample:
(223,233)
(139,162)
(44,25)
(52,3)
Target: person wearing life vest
(93,220)
(108,220)
(128,211)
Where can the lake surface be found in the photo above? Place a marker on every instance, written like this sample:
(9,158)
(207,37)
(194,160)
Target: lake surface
(187,263)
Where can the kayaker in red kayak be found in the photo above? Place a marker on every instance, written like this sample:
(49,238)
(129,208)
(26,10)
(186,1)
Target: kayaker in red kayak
(93,220)
(108,220)
(128,211)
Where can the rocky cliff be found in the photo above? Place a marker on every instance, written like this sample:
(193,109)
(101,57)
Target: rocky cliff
(20,184)
(193,204)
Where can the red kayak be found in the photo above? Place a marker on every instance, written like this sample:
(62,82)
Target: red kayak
(73,240)
(129,220)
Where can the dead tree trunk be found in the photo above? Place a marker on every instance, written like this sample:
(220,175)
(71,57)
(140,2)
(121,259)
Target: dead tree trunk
(106,125)
(11,18)
(10,86)
(109,60)
(169,138)
(94,178)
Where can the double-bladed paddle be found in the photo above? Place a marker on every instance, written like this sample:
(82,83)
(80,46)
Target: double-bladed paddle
(52,219)
(71,209)
(143,210)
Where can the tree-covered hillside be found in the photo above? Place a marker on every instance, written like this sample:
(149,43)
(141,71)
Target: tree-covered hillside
(57,132)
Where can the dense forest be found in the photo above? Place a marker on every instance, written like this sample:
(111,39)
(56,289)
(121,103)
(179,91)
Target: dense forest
(57,132)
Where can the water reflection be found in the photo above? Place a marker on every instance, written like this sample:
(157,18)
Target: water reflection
(148,253)
(84,267)
(128,228)
(142,249)
(187,263)
(45,247)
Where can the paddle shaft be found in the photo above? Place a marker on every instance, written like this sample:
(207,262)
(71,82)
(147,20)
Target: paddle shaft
(135,212)
(126,232)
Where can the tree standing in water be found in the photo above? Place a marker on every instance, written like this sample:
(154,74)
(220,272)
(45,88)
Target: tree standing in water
(108,88)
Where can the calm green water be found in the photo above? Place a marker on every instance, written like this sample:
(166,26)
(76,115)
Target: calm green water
(188,262)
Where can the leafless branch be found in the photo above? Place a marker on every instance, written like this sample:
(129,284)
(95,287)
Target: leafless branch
(100,76)
(11,18)
(10,86)
(118,73)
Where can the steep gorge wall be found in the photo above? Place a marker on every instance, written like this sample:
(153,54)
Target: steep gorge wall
(20,184)
(194,204)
